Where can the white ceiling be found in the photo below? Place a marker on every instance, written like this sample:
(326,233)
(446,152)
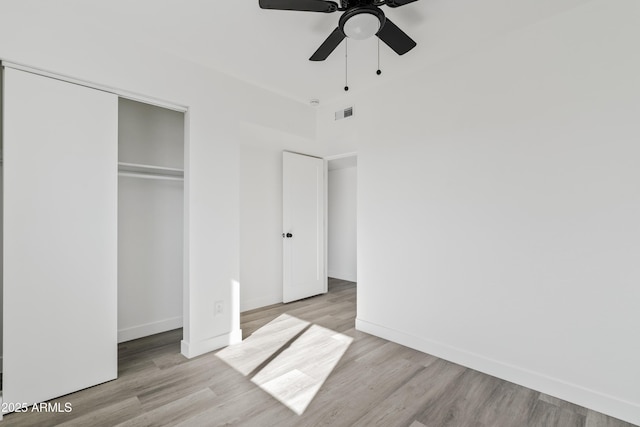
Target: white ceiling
(271,48)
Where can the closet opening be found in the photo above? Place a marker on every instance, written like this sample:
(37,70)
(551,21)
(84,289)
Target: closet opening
(93,202)
(150,219)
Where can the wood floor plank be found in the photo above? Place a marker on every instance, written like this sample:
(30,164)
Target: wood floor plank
(109,415)
(563,404)
(361,387)
(174,412)
(549,415)
(596,419)
(461,402)
(250,410)
(410,398)
(508,405)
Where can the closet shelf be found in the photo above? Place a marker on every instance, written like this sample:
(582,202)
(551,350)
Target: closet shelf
(136,170)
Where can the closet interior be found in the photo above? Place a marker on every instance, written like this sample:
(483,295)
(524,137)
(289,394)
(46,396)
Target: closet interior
(150,219)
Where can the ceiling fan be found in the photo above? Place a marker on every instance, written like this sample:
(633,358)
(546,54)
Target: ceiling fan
(361,19)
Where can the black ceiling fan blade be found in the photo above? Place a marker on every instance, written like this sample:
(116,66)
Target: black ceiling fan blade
(395,38)
(329,45)
(300,5)
(398,3)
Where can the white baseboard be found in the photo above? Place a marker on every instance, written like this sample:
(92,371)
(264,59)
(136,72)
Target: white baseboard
(600,402)
(351,277)
(260,302)
(139,331)
(195,349)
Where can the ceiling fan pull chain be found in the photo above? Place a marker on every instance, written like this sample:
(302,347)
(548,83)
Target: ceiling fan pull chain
(346,65)
(378,72)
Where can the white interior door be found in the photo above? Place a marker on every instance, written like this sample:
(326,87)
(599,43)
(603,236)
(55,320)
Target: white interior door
(60,237)
(304,210)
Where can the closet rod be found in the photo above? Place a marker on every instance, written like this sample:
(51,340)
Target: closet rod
(149,176)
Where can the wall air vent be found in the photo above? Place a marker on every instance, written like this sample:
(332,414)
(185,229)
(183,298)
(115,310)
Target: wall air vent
(343,114)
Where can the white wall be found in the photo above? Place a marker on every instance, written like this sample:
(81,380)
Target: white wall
(219,105)
(342,245)
(498,213)
(338,137)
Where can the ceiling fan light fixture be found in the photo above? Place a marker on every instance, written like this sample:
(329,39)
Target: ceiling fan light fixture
(361,22)
(361,26)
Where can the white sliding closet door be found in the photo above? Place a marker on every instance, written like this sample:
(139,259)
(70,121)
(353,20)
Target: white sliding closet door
(60,237)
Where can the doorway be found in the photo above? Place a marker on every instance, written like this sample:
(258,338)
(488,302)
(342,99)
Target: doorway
(342,219)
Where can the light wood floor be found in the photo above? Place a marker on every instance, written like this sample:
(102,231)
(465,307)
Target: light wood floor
(371,381)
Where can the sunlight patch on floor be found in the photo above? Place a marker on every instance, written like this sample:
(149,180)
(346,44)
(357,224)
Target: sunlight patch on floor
(289,358)
(248,355)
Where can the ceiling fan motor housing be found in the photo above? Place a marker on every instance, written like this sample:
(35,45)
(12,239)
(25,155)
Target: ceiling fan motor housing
(361,22)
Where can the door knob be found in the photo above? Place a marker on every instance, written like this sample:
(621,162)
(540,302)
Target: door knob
(289,235)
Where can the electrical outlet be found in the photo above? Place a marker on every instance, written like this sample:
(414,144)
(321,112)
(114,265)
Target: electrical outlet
(219,308)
